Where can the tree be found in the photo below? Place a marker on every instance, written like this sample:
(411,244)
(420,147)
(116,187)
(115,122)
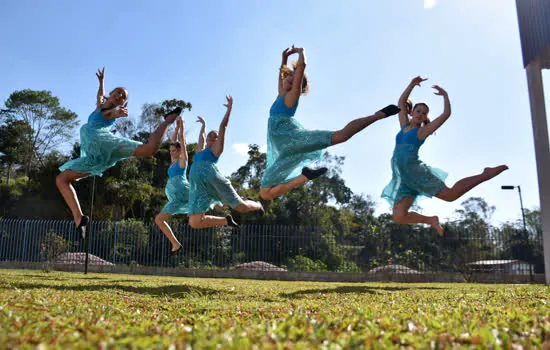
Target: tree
(249,176)
(148,119)
(475,216)
(533,221)
(12,149)
(50,125)
(126,127)
(151,114)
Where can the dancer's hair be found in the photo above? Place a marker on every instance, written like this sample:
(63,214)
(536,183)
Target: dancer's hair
(305,82)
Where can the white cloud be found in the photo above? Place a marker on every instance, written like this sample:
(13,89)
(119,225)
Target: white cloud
(241,148)
(263,149)
(428,4)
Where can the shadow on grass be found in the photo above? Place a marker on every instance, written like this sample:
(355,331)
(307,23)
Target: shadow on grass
(354,289)
(164,291)
(49,277)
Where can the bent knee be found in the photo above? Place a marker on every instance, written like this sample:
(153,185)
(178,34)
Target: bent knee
(447,195)
(146,150)
(398,216)
(195,221)
(158,219)
(60,180)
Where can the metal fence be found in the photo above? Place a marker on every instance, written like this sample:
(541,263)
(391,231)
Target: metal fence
(276,248)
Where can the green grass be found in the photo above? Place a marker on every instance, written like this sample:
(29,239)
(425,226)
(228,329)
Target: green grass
(72,310)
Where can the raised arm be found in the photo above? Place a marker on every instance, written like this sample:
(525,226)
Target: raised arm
(217,149)
(435,124)
(287,52)
(403,114)
(181,135)
(175,135)
(101,91)
(202,135)
(292,97)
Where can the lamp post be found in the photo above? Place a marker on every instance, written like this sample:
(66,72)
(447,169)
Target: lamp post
(525,237)
(520,203)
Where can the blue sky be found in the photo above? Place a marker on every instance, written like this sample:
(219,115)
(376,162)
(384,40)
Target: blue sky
(361,55)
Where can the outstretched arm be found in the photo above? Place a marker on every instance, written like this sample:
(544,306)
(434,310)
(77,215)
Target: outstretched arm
(202,135)
(217,149)
(291,98)
(403,114)
(432,126)
(101,91)
(284,61)
(184,158)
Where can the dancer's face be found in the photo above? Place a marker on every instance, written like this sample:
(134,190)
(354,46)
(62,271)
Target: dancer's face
(211,138)
(118,96)
(287,81)
(419,114)
(174,153)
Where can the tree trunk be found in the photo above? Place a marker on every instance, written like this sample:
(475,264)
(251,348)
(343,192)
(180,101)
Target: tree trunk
(9,171)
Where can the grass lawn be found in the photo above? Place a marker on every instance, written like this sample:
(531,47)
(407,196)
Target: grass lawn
(73,310)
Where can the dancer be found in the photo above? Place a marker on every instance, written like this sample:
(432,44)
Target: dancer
(209,188)
(411,178)
(177,187)
(100,149)
(291,148)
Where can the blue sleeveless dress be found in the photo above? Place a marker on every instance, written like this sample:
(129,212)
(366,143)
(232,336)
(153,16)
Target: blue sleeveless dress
(290,146)
(100,149)
(410,176)
(177,190)
(208,187)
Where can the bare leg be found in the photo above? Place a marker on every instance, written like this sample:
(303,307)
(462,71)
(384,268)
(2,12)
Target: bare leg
(63,182)
(248,205)
(155,140)
(268,193)
(160,220)
(354,127)
(402,215)
(466,184)
(204,221)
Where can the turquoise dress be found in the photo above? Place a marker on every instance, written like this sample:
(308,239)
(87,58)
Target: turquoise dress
(100,149)
(177,190)
(208,187)
(410,176)
(290,146)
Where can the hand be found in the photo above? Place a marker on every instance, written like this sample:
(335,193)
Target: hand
(417,81)
(200,120)
(179,121)
(440,91)
(229,103)
(297,49)
(123,111)
(100,74)
(287,52)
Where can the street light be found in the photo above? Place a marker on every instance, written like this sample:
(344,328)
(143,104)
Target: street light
(524,226)
(520,202)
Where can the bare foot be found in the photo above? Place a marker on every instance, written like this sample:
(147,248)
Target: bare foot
(492,172)
(434,222)
(175,248)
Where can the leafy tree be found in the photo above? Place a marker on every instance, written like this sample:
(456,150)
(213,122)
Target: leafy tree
(49,124)
(11,146)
